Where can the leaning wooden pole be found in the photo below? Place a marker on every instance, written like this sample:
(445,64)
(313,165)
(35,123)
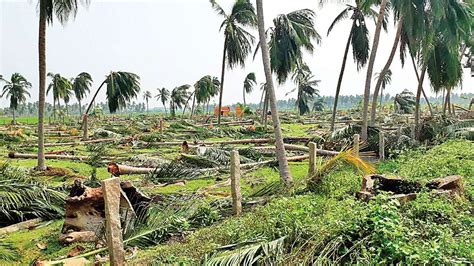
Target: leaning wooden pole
(235,182)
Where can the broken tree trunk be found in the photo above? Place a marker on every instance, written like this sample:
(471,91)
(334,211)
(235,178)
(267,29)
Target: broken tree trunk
(235,182)
(20,226)
(121,169)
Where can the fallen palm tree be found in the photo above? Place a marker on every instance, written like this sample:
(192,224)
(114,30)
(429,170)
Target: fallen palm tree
(16,155)
(56,144)
(229,142)
(231,123)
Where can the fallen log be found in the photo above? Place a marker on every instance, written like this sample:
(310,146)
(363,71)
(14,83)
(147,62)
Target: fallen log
(55,144)
(231,123)
(226,142)
(20,226)
(16,155)
(121,169)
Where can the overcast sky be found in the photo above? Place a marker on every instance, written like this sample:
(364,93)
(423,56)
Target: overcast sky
(174,42)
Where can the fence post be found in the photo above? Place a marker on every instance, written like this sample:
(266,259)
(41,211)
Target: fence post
(356,144)
(161,126)
(381,146)
(312,159)
(111,190)
(235,182)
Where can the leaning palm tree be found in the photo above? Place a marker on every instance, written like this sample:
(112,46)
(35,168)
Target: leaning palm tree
(61,88)
(291,35)
(285,174)
(81,86)
(121,88)
(385,80)
(178,98)
(164,96)
(370,66)
(237,41)
(358,38)
(249,83)
(63,9)
(17,90)
(306,87)
(147,96)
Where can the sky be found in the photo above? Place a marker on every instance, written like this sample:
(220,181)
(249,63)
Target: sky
(169,43)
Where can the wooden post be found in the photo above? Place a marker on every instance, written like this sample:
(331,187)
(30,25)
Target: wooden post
(381,145)
(312,159)
(399,132)
(235,182)
(111,190)
(356,144)
(161,126)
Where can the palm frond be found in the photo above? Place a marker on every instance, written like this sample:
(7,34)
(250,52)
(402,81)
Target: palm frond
(343,15)
(8,252)
(121,88)
(263,253)
(170,172)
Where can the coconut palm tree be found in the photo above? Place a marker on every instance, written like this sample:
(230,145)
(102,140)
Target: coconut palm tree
(285,174)
(370,67)
(121,88)
(358,39)
(17,90)
(61,88)
(81,86)
(63,9)
(237,41)
(163,96)
(204,89)
(249,83)
(290,35)
(306,87)
(386,80)
(147,96)
(178,98)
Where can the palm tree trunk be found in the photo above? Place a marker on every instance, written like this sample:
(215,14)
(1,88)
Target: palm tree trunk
(192,108)
(370,69)
(341,75)
(222,82)
(417,105)
(85,129)
(418,79)
(54,110)
(13,113)
(265,107)
(42,85)
(384,71)
(261,100)
(164,105)
(80,107)
(280,148)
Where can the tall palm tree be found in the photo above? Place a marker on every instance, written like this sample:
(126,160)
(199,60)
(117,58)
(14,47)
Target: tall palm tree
(306,87)
(61,88)
(17,90)
(237,41)
(358,39)
(249,83)
(285,174)
(386,80)
(178,98)
(147,96)
(81,86)
(121,88)
(370,67)
(163,96)
(291,34)
(63,9)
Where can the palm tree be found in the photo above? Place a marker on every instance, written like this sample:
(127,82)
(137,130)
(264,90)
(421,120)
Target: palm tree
(147,96)
(204,89)
(237,41)
(370,67)
(63,9)
(81,86)
(306,87)
(61,88)
(358,38)
(121,88)
(178,98)
(249,83)
(17,90)
(386,80)
(163,96)
(291,35)
(285,174)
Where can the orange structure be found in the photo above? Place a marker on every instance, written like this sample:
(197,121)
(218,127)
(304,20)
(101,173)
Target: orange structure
(238,111)
(225,111)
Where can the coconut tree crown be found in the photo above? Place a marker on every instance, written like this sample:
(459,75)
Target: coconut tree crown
(121,88)
(16,89)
